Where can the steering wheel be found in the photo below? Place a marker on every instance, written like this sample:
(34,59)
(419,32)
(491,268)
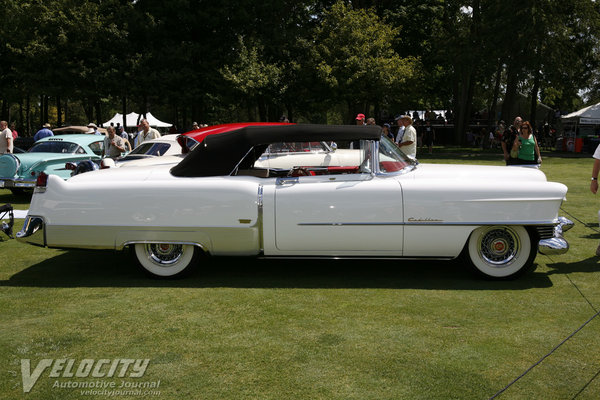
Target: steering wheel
(298,171)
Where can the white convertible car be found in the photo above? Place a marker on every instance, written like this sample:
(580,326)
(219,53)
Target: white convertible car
(299,191)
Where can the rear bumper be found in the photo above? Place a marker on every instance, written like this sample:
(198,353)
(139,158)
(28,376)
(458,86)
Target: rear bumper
(33,232)
(557,244)
(16,183)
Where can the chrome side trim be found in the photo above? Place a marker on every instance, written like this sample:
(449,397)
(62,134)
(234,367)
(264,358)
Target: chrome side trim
(164,241)
(259,218)
(33,231)
(434,223)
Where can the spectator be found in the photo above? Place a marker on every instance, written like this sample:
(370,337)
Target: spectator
(428,136)
(147,133)
(94,127)
(525,148)
(15,134)
(360,119)
(387,132)
(508,139)
(371,121)
(113,145)
(594,183)
(6,138)
(409,140)
(121,132)
(44,132)
(400,132)
(195,125)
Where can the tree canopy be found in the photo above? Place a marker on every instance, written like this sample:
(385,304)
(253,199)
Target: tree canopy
(67,61)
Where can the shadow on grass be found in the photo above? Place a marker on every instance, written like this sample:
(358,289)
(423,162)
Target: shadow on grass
(117,269)
(588,265)
(6,196)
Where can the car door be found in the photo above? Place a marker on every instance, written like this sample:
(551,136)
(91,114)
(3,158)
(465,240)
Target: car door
(348,214)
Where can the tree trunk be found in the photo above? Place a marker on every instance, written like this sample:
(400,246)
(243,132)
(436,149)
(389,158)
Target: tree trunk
(508,110)
(124,111)
(59,120)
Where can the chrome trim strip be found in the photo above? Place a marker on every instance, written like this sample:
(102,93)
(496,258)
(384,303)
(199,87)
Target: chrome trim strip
(435,223)
(16,183)
(259,218)
(163,241)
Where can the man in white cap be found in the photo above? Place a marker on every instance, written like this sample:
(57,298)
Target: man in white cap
(409,140)
(44,132)
(93,126)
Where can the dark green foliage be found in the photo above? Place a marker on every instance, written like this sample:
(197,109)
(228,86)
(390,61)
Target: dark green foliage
(315,61)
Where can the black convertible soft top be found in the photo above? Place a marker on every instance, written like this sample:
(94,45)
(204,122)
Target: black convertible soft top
(219,154)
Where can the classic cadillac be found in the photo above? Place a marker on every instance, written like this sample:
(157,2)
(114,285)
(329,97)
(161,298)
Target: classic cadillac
(304,191)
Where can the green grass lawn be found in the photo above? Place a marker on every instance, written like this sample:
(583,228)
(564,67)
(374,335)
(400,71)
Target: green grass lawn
(331,329)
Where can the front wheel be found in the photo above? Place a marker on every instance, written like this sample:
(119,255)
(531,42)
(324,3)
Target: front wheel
(166,260)
(500,252)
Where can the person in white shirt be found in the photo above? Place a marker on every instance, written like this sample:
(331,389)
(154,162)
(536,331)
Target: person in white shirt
(147,133)
(594,183)
(6,138)
(408,143)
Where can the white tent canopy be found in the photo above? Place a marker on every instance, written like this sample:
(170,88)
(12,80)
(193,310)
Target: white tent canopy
(589,115)
(132,120)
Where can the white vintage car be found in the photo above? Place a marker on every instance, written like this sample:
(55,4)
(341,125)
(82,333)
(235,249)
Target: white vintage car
(243,194)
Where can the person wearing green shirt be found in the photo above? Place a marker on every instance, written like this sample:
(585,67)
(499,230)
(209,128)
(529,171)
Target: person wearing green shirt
(525,148)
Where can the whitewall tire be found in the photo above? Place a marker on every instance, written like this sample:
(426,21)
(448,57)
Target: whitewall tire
(166,260)
(500,252)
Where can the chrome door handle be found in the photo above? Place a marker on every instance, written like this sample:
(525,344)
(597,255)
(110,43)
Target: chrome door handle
(287,181)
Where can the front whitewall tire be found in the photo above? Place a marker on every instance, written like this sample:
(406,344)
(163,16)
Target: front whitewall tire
(500,252)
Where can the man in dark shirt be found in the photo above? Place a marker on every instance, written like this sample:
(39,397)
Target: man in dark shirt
(508,138)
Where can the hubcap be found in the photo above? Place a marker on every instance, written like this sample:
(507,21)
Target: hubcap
(498,247)
(164,254)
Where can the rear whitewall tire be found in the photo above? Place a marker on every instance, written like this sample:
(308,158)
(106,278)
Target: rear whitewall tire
(166,260)
(500,252)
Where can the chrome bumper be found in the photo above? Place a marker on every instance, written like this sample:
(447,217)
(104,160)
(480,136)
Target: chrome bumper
(15,183)
(33,231)
(557,244)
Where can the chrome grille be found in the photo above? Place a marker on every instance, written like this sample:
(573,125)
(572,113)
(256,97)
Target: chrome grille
(545,231)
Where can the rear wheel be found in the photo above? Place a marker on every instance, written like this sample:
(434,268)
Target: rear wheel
(500,252)
(166,260)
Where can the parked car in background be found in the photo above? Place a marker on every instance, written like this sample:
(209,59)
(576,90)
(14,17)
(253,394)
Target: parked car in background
(19,171)
(74,129)
(167,149)
(374,202)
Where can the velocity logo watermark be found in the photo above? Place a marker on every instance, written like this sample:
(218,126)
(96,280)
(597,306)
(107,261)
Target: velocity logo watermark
(86,368)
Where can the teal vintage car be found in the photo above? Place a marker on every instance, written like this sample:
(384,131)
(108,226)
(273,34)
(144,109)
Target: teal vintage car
(19,172)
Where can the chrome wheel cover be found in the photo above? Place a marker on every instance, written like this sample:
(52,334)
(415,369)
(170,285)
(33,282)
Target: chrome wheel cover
(498,247)
(164,254)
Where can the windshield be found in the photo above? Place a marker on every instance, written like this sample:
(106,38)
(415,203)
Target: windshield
(151,149)
(391,158)
(57,147)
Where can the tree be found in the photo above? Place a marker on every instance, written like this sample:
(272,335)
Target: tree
(354,58)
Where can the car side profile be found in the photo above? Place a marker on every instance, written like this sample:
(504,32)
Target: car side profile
(239,194)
